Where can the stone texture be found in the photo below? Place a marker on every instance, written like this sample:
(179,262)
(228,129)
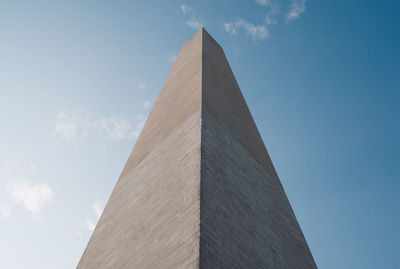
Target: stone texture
(152,219)
(199,189)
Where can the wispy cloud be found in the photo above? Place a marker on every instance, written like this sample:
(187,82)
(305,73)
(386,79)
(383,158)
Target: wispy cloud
(72,126)
(272,12)
(98,209)
(78,125)
(33,196)
(273,15)
(269,19)
(264,2)
(23,185)
(171,58)
(184,9)
(90,223)
(119,128)
(193,20)
(146,104)
(296,8)
(256,32)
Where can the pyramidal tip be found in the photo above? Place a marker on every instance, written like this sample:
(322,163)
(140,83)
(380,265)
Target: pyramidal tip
(205,36)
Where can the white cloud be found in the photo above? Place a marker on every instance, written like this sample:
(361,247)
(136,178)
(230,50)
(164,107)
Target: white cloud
(90,223)
(259,32)
(75,126)
(71,126)
(121,129)
(193,20)
(146,104)
(269,20)
(117,128)
(272,10)
(264,2)
(230,28)
(171,58)
(297,7)
(98,209)
(273,15)
(23,185)
(194,23)
(184,9)
(141,120)
(32,196)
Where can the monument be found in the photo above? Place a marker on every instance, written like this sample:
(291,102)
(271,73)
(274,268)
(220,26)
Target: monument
(199,189)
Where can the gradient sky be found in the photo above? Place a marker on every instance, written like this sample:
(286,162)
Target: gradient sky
(321,78)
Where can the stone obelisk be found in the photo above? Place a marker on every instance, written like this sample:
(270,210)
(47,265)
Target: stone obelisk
(199,189)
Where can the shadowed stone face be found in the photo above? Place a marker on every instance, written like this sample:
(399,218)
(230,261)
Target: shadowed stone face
(199,189)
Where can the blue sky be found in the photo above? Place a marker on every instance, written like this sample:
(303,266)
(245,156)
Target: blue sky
(321,78)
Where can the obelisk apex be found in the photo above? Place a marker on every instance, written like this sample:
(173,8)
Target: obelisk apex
(199,189)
